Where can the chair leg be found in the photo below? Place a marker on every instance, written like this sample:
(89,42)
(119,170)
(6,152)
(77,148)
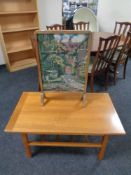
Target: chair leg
(92,83)
(124,71)
(114,71)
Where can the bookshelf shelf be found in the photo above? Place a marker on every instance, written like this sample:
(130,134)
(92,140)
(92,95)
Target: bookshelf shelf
(18,23)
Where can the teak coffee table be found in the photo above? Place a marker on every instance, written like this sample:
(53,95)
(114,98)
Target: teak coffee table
(63,114)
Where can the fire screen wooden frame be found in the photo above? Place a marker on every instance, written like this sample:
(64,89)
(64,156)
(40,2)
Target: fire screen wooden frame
(63,58)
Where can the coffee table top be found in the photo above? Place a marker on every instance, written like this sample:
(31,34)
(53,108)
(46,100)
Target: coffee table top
(63,114)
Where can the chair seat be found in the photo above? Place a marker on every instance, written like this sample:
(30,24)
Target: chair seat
(91,65)
(122,59)
(115,56)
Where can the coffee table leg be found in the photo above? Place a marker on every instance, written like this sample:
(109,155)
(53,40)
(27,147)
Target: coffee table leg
(103,148)
(26,145)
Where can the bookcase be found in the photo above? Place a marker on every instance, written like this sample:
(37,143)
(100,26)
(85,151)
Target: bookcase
(18,21)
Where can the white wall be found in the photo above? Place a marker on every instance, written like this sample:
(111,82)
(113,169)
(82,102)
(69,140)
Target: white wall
(110,11)
(50,12)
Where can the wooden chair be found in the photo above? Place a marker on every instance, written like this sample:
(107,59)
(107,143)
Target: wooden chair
(81,25)
(100,64)
(122,28)
(121,57)
(63,58)
(55,27)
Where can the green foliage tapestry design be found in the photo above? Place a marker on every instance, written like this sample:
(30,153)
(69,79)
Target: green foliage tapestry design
(62,61)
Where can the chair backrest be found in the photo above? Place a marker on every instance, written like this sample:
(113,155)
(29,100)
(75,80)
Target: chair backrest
(63,57)
(81,25)
(122,28)
(106,50)
(55,27)
(126,49)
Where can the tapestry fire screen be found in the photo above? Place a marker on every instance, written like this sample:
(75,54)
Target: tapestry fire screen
(63,58)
